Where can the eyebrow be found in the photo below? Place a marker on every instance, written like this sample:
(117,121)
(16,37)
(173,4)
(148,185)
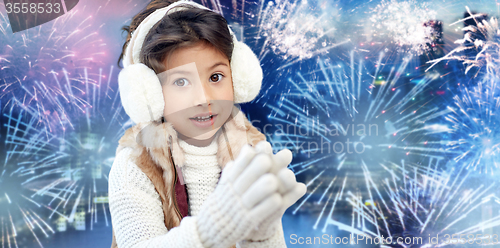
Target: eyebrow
(174,71)
(180,71)
(218,64)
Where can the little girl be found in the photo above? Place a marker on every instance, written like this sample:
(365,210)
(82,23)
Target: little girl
(193,171)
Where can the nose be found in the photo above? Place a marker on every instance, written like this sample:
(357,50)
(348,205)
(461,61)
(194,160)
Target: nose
(204,95)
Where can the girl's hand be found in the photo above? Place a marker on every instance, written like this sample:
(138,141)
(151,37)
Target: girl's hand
(281,160)
(246,195)
(289,189)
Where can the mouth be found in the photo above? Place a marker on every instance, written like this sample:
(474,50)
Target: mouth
(204,120)
(203,117)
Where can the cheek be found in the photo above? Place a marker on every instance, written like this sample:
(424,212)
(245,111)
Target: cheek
(227,105)
(174,102)
(227,92)
(228,95)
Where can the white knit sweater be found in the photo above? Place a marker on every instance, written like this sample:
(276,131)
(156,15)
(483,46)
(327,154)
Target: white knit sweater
(136,208)
(201,173)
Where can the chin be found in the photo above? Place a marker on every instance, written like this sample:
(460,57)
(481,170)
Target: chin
(206,135)
(198,134)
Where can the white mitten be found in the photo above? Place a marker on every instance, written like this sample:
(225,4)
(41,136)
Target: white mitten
(290,190)
(246,195)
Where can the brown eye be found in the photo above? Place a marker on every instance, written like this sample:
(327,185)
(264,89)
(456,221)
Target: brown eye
(216,77)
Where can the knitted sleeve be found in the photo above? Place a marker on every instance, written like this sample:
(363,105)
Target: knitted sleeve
(136,210)
(275,241)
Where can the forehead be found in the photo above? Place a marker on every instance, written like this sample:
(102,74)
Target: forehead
(202,54)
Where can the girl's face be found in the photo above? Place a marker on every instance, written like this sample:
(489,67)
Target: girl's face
(198,92)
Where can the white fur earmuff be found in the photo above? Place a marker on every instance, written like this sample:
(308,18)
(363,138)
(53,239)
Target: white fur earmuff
(140,89)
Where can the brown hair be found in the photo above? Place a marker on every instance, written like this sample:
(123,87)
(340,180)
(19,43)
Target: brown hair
(178,29)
